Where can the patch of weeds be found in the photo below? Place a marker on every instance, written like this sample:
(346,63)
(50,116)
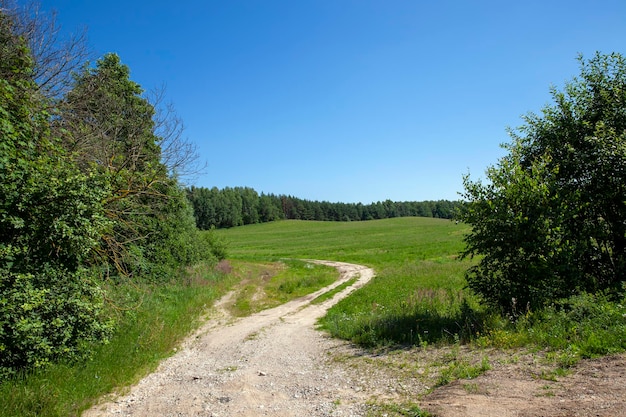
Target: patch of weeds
(582,326)
(547,391)
(471,388)
(340,357)
(392,409)
(504,339)
(330,294)
(231,368)
(461,369)
(554,374)
(514,359)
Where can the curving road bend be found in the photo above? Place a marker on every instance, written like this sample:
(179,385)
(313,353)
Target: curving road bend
(273,363)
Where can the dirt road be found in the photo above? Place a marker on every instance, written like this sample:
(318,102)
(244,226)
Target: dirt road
(275,363)
(271,363)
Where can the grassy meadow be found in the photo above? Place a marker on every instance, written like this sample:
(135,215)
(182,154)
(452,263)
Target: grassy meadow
(417,296)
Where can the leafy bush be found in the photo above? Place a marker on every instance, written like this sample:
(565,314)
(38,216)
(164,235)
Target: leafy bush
(51,220)
(550,222)
(48,316)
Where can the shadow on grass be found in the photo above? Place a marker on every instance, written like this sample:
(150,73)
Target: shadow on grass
(419,327)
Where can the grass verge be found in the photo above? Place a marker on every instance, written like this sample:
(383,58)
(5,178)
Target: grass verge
(268,284)
(151,321)
(330,294)
(392,409)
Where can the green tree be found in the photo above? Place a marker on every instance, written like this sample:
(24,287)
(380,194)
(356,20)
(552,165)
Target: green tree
(51,218)
(110,128)
(204,209)
(249,205)
(269,208)
(106,121)
(551,220)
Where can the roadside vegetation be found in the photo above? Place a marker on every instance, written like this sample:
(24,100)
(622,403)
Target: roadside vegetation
(102,269)
(151,320)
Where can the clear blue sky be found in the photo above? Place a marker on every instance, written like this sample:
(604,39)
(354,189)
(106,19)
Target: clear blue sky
(349,101)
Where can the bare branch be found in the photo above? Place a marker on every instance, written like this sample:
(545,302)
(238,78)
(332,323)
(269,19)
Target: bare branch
(178,154)
(55,57)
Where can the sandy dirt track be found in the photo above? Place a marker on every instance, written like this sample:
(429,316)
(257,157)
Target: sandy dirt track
(271,363)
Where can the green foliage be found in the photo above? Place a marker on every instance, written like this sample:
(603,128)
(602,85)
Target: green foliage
(151,320)
(417,296)
(49,316)
(106,121)
(582,326)
(110,128)
(551,220)
(51,218)
(82,190)
(173,242)
(239,206)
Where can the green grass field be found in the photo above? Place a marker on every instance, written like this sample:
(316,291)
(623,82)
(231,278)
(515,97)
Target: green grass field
(376,243)
(418,294)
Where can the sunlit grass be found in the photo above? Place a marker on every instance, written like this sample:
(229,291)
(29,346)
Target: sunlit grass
(376,243)
(418,295)
(152,320)
(268,284)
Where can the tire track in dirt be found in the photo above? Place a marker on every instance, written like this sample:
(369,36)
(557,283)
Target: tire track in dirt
(270,363)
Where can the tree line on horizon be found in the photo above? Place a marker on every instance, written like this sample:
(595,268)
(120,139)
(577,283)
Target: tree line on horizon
(238,206)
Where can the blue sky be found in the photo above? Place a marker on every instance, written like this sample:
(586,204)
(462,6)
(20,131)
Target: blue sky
(349,101)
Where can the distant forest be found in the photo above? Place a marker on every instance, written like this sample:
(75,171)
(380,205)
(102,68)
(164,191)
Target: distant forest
(238,206)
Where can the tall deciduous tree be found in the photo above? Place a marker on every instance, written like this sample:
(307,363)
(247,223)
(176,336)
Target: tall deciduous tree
(51,218)
(551,220)
(110,128)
